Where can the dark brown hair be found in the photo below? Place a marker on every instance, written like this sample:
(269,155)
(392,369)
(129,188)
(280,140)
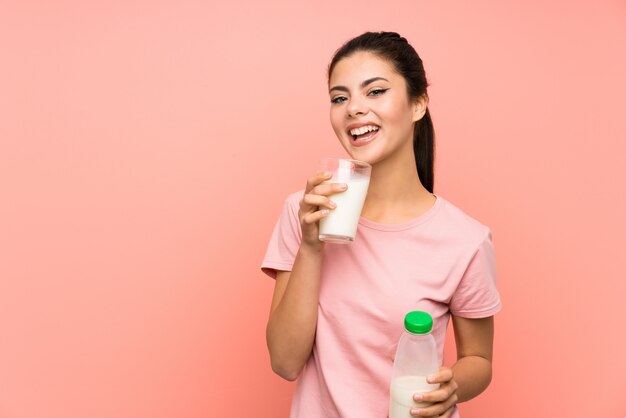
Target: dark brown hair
(397,50)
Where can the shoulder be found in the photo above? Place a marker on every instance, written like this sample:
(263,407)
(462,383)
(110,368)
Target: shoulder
(459,225)
(295,197)
(292,201)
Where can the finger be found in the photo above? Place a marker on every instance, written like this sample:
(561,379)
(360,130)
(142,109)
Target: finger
(436,409)
(445,374)
(448,413)
(311,218)
(326,189)
(445,391)
(316,200)
(316,179)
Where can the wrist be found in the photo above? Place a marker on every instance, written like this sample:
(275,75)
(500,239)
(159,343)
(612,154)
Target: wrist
(473,375)
(312,248)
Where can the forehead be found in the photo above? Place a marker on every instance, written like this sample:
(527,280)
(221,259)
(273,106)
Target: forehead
(361,66)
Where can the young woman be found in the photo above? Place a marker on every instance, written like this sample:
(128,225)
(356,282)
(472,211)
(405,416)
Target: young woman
(337,310)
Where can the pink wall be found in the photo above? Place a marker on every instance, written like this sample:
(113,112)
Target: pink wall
(146,148)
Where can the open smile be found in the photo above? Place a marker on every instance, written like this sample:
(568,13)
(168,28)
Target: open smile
(364,134)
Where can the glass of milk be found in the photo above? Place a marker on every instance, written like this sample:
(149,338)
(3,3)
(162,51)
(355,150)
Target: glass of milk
(339,226)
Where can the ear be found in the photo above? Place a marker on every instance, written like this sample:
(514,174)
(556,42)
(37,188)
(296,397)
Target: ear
(419,107)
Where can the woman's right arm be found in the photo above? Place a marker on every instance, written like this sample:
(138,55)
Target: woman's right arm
(292,323)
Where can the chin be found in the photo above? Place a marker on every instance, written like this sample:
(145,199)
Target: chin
(362,155)
(370,153)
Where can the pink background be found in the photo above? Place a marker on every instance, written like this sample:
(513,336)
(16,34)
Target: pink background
(147,147)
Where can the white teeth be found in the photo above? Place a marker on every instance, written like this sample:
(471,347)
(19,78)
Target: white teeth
(363,129)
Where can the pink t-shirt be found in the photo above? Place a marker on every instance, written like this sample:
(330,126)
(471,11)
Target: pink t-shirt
(441,262)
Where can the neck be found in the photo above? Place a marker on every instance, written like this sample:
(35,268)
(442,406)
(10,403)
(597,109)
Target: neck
(395,193)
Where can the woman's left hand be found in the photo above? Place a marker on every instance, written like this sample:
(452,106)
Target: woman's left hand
(443,399)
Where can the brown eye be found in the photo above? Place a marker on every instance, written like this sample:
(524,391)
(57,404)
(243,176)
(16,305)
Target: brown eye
(377,92)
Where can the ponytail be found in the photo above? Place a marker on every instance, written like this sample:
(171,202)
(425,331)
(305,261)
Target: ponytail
(424,150)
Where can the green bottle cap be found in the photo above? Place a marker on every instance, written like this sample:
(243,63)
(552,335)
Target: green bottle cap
(418,322)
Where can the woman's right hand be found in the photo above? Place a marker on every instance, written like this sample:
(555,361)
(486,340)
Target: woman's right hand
(316,205)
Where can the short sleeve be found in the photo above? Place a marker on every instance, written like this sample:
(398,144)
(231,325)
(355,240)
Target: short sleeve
(477,295)
(285,240)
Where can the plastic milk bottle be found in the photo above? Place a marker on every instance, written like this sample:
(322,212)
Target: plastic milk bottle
(416,358)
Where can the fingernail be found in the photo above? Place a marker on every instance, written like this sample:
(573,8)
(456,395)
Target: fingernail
(325,211)
(343,186)
(332,204)
(415,412)
(418,397)
(328,174)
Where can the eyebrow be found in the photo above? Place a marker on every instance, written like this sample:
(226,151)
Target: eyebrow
(363,84)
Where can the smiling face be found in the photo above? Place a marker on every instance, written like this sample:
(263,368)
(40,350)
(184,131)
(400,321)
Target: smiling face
(370,110)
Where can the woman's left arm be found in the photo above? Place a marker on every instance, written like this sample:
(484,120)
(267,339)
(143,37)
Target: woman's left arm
(470,375)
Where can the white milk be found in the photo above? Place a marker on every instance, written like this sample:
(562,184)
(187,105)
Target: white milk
(343,220)
(402,390)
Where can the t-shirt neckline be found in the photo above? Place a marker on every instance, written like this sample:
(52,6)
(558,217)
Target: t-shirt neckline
(404,225)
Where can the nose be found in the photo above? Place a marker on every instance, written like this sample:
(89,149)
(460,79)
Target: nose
(357,108)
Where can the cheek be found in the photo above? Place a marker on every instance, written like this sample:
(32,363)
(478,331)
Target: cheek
(399,114)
